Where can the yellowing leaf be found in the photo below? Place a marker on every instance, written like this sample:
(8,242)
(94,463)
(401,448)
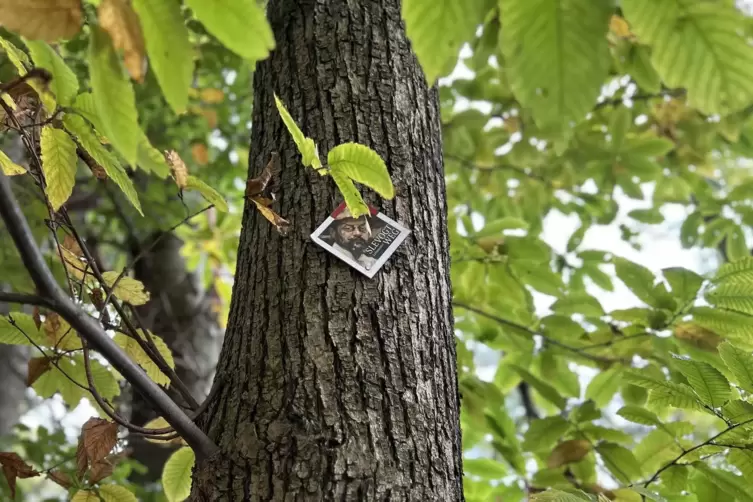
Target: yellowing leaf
(127,289)
(209,193)
(568,452)
(116,493)
(85,496)
(307,147)
(135,352)
(42,19)
(64,84)
(438,28)
(169,49)
(703,338)
(59,333)
(150,159)
(557,56)
(113,96)
(88,140)
(119,20)
(362,165)
(161,423)
(241,25)
(20,330)
(58,164)
(212,96)
(280,223)
(177,167)
(9,167)
(176,475)
(619,26)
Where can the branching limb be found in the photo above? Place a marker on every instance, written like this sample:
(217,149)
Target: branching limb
(90,329)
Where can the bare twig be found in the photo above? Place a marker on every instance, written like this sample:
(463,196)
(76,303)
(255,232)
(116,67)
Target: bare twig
(532,333)
(90,329)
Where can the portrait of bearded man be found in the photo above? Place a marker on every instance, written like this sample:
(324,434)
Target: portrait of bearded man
(351,236)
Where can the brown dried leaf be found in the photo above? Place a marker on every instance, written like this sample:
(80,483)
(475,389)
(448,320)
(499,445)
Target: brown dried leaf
(71,244)
(200,153)
(256,186)
(281,224)
(38,366)
(100,470)
(178,168)
(59,332)
(98,438)
(567,452)
(120,21)
(698,336)
(46,20)
(61,478)
(37,318)
(14,467)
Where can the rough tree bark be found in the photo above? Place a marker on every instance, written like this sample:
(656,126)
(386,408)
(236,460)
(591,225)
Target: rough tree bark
(336,387)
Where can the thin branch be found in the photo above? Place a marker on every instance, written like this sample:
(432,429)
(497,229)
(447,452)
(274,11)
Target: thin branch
(708,442)
(24,299)
(468,164)
(674,93)
(90,329)
(525,396)
(532,333)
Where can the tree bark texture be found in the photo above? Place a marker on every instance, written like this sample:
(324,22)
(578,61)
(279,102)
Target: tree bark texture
(180,312)
(334,386)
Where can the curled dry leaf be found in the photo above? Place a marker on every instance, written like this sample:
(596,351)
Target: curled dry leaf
(100,470)
(46,20)
(98,438)
(212,96)
(37,318)
(38,366)
(257,186)
(698,336)
(120,21)
(178,168)
(14,467)
(568,452)
(61,478)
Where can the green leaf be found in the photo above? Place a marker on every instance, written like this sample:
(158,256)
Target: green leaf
(740,363)
(150,159)
(89,142)
(603,386)
(437,30)
(498,226)
(352,196)
(307,147)
(726,323)
(669,393)
(64,83)
(708,382)
(139,356)
(651,216)
(620,461)
(543,433)
(484,467)
(684,283)
(736,296)
(578,303)
(698,46)
(362,165)
(170,52)
(241,25)
(735,244)
(619,124)
(20,60)
(176,475)
(639,415)
(547,391)
(23,330)
(638,65)
(648,145)
(127,289)
(116,493)
(731,484)
(736,272)
(557,55)
(9,167)
(656,449)
(672,189)
(209,193)
(743,460)
(637,278)
(558,496)
(59,162)
(675,478)
(113,96)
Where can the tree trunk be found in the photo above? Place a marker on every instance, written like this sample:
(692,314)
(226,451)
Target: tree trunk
(180,312)
(334,386)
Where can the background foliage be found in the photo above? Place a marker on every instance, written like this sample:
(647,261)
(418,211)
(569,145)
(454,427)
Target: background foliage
(630,115)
